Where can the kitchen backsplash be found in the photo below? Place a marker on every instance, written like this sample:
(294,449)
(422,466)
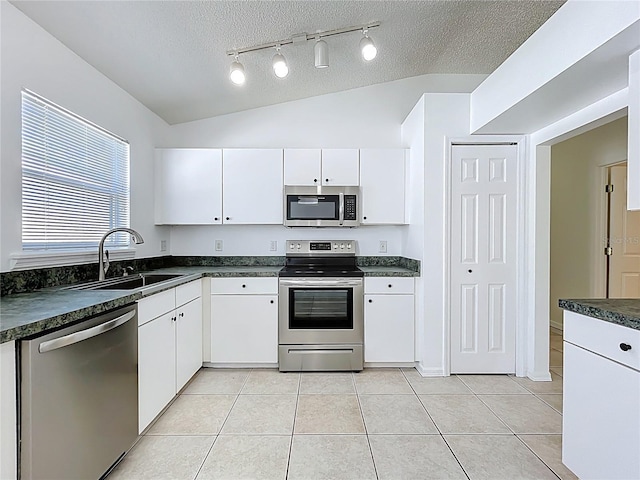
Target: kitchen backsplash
(29,280)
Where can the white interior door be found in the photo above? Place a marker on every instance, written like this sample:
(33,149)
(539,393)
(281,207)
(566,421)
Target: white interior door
(624,239)
(483,258)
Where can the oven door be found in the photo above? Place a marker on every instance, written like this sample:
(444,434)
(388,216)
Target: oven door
(327,311)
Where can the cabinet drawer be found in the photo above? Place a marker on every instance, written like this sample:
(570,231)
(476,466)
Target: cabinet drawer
(187,292)
(603,338)
(156,305)
(398,285)
(244,285)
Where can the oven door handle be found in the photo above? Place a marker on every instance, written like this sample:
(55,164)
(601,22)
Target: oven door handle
(321,283)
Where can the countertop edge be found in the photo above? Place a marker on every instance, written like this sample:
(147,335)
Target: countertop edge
(623,312)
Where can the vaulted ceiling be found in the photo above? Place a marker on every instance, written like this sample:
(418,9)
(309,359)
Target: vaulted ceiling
(171,55)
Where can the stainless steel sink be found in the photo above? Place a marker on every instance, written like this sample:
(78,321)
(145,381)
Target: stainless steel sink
(129,282)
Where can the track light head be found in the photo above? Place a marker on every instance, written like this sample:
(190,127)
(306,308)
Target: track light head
(236,72)
(280,67)
(367,47)
(321,51)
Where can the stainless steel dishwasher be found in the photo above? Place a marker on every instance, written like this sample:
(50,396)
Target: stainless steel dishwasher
(79,397)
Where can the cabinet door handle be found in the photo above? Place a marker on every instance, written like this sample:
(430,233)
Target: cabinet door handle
(215,219)
(244,286)
(625,347)
(181,314)
(364,218)
(270,301)
(315,180)
(227,218)
(389,285)
(173,319)
(326,180)
(470,271)
(370,301)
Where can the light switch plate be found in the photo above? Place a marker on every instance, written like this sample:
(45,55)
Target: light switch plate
(382,248)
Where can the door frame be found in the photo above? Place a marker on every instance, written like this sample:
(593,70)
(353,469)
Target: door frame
(600,262)
(521,297)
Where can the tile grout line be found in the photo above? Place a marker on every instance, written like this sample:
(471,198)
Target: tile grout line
(217,436)
(537,456)
(364,424)
(293,427)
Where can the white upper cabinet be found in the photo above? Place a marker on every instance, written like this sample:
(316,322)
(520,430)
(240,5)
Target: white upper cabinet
(252,180)
(340,166)
(302,166)
(188,186)
(382,181)
(313,166)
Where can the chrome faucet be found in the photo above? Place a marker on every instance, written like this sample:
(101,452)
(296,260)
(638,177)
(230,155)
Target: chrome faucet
(137,238)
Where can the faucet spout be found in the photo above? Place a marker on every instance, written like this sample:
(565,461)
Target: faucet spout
(137,239)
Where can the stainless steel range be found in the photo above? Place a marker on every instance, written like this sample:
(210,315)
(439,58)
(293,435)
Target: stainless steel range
(321,311)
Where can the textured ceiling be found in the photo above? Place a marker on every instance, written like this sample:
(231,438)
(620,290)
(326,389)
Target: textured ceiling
(171,55)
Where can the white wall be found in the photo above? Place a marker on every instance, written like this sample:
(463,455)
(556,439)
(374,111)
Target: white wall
(33,59)
(367,117)
(576,198)
(413,239)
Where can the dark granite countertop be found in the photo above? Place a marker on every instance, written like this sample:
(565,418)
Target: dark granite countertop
(26,314)
(621,311)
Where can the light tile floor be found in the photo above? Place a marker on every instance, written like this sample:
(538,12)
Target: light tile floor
(377,424)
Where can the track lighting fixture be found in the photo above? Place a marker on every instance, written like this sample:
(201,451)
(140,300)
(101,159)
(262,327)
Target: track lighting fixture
(367,47)
(320,50)
(236,73)
(280,67)
(321,53)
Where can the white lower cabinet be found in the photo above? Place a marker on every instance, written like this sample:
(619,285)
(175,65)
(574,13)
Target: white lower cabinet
(169,347)
(389,320)
(244,320)
(601,404)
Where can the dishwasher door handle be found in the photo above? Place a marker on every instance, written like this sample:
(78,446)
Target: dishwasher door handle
(84,334)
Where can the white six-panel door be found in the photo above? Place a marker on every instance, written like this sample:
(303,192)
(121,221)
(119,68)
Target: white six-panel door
(483,258)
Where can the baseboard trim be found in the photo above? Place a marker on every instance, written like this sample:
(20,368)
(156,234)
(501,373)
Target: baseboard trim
(556,325)
(239,365)
(429,372)
(539,376)
(389,364)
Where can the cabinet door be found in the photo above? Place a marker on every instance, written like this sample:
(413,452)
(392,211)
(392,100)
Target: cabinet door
(340,166)
(388,328)
(252,180)
(188,341)
(244,328)
(382,182)
(156,367)
(600,437)
(302,166)
(188,186)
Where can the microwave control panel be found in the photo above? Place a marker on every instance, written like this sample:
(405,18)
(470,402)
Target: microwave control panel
(350,212)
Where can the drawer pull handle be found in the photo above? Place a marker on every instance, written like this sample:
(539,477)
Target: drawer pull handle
(270,301)
(244,286)
(625,347)
(370,301)
(389,285)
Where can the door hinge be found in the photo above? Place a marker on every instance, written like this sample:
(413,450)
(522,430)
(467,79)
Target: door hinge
(608,188)
(608,251)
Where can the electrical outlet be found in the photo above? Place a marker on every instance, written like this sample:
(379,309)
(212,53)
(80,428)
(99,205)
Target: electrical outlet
(382,247)
(163,245)
(218,244)
(273,246)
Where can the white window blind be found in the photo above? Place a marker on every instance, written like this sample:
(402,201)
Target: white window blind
(75,180)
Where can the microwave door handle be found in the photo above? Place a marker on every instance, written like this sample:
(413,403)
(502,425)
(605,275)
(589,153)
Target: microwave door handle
(341,217)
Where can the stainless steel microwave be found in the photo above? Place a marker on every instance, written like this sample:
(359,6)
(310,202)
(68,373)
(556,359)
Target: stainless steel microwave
(322,206)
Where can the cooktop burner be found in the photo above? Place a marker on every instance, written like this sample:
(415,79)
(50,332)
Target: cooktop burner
(322,258)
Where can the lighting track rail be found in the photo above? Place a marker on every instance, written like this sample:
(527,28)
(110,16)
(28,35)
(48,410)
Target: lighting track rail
(303,37)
